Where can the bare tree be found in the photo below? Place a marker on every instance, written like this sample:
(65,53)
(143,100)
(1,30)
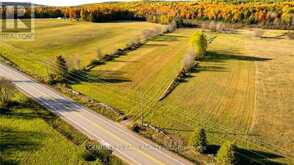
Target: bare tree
(99,54)
(157,30)
(135,43)
(171,27)
(154,32)
(189,61)
(147,34)
(7,91)
(290,35)
(220,27)
(204,25)
(258,33)
(77,62)
(212,26)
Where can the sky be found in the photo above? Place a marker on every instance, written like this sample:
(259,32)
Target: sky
(58,2)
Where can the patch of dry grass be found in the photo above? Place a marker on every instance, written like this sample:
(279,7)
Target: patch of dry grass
(274,117)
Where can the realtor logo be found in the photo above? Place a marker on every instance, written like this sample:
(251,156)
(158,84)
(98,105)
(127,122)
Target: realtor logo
(16,21)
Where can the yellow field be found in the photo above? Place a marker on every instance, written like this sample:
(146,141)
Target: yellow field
(274,115)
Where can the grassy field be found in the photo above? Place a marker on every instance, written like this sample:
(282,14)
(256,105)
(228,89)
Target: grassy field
(222,95)
(26,138)
(74,40)
(242,90)
(149,70)
(142,73)
(275,92)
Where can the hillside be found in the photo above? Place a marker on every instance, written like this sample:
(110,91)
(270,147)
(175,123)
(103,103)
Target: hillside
(23,4)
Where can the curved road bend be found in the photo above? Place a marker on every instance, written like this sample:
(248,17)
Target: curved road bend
(125,144)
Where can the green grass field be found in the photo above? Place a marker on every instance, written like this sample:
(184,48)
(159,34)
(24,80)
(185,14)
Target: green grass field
(26,138)
(149,70)
(220,95)
(74,40)
(242,90)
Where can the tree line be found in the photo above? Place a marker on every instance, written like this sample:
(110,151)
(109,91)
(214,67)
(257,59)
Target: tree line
(278,14)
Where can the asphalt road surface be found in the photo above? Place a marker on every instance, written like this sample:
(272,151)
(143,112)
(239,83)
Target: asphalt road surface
(125,144)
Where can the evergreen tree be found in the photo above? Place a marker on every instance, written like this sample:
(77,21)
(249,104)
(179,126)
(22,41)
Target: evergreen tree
(199,140)
(226,154)
(61,73)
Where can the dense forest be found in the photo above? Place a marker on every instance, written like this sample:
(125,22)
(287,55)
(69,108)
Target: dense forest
(277,14)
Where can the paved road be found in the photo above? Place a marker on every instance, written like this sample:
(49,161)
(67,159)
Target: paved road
(126,144)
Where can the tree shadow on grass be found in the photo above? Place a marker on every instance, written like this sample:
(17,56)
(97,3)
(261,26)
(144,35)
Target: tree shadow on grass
(221,58)
(13,141)
(3,161)
(209,68)
(17,111)
(115,60)
(22,115)
(218,57)
(200,68)
(109,76)
(248,157)
(169,38)
(99,76)
(154,45)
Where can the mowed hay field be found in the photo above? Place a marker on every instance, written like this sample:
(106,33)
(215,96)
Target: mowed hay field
(274,112)
(222,95)
(224,81)
(242,90)
(221,90)
(72,39)
(144,73)
(26,138)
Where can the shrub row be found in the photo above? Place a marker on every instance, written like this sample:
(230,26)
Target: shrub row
(180,76)
(132,45)
(199,44)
